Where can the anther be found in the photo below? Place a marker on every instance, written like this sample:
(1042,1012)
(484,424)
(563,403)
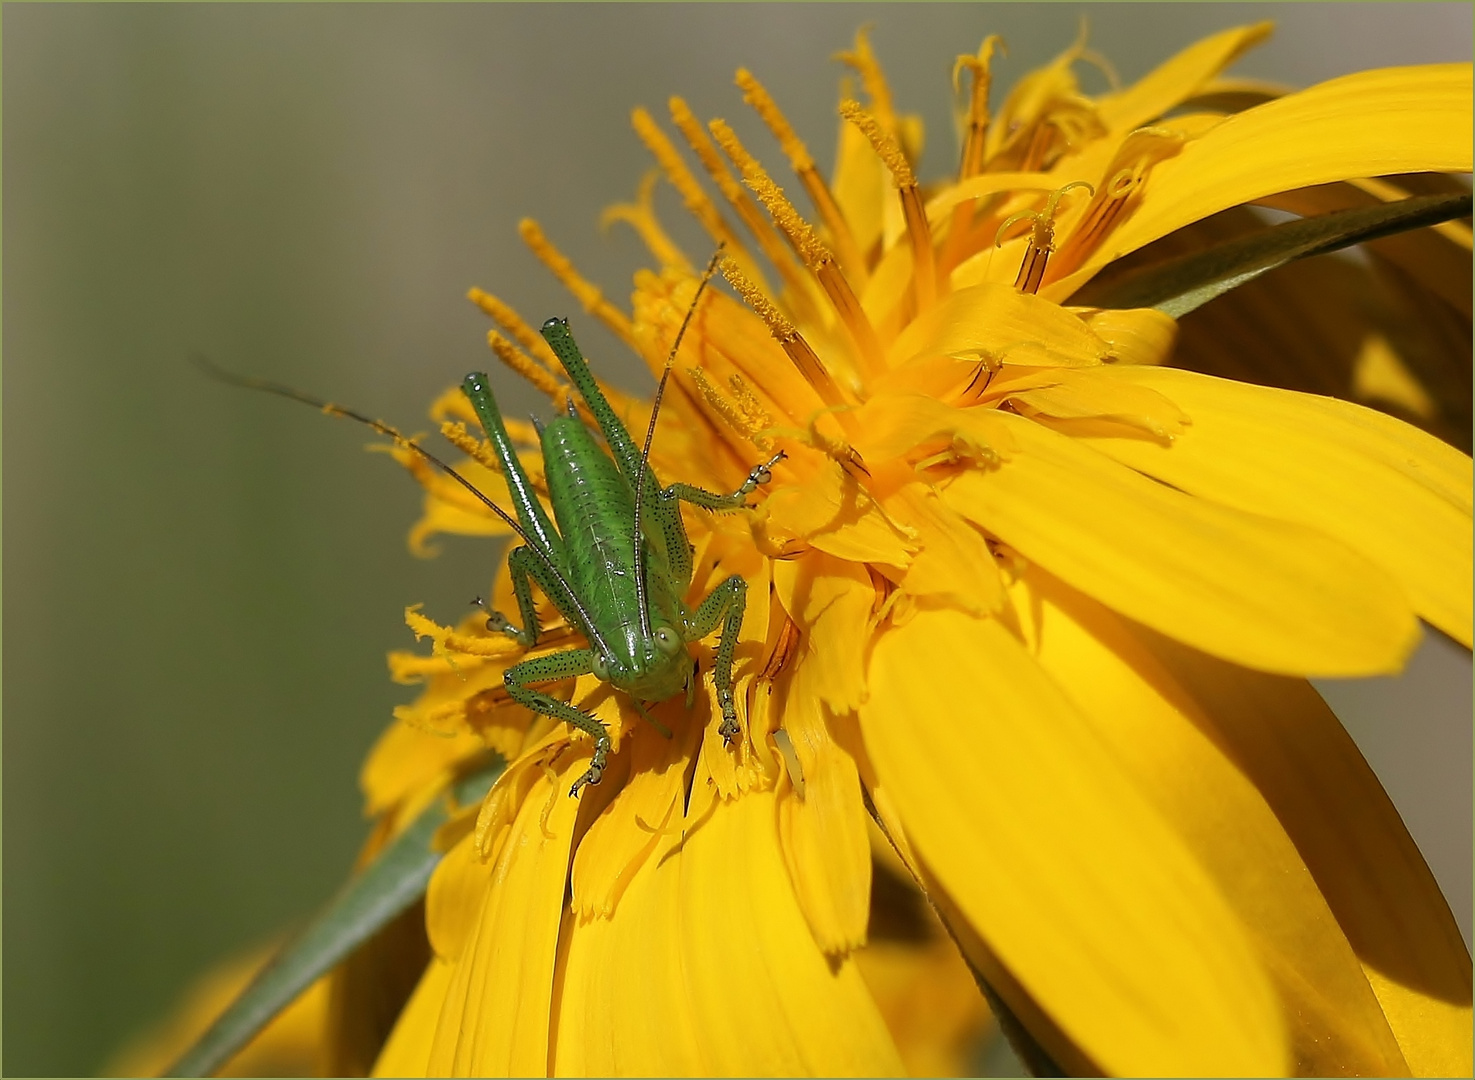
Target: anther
(808,246)
(786,334)
(924,269)
(1041,239)
(585,291)
(846,249)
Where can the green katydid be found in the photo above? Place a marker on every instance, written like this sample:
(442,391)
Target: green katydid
(623,587)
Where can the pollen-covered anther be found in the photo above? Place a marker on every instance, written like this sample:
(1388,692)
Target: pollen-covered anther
(731,412)
(924,270)
(526,366)
(505,316)
(693,197)
(808,246)
(786,334)
(455,433)
(846,249)
(1041,238)
(586,292)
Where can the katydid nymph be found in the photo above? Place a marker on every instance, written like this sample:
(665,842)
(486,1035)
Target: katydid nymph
(618,564)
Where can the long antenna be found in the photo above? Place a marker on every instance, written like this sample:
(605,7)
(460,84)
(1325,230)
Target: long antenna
(323,405)
(650,434)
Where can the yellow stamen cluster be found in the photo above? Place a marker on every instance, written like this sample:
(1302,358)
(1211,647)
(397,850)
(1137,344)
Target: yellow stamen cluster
(786,334)
(846,250)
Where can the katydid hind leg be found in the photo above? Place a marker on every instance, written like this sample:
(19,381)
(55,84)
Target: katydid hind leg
(726,604)
(561,665)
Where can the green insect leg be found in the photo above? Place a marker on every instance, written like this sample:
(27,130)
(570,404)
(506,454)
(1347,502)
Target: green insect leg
(729,598)
(520,565)
(710,500)
(551,668)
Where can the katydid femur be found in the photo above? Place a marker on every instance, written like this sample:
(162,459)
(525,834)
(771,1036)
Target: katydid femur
(618,565)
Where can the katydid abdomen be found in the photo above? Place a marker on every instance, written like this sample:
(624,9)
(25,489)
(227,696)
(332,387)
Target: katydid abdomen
(594,507)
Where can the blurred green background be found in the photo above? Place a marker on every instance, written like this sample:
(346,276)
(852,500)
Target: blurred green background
(200,583)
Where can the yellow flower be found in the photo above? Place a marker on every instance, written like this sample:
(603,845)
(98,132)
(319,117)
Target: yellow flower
(1039,607)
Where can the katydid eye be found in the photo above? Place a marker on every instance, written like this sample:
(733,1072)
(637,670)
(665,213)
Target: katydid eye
(666,640)
(601,669)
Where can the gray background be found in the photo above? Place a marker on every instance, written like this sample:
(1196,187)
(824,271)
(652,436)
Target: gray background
(201,584)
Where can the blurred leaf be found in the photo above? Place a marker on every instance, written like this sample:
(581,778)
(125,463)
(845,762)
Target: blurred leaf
(1180,285)
(369,901)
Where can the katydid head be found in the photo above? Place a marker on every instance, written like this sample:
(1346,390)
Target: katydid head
(651,668)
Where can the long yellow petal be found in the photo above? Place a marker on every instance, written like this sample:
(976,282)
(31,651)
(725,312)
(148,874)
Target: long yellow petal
(1058,861)
(1400,497)
(1264,593)
(1167,743)
(1373,123)
(495,1015)
(407,1050)
(1178,79)
(708,968)
(1000,322)
(1354,843)
(822,827)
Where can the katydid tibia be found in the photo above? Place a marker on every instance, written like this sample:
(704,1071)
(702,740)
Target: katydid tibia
(617,566)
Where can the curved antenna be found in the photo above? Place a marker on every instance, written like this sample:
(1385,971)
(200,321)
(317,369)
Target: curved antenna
(328,407)
(641,601)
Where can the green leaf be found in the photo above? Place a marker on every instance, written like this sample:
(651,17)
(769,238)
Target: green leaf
(378,893)
(1179,285)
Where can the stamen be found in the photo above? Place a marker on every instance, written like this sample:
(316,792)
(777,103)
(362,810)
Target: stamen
(527,367)
(807,245)
(980,67)
(478,450)
(795,283)
(680,177)
(1041,240)
(787,335)
(846,249)
(641,216)
(864,63)
(924,268)
(1129,168)
(515,325)
(731,411)
(585,292)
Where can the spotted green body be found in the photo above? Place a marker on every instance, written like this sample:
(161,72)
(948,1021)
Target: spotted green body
(619,574)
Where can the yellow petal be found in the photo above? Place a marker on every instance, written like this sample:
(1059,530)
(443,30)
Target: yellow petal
(407,1050)
(830,600)
(1089,393)
(953,565)
(708,968)
(1265,593)
(1350,835)
(495,1017)
(1178,79)
(628,830)
(1135,335)
(1058,862)
(1167,743)
(822,830)
(1000,322)
(833,513)
(1392,493)
(1373,123)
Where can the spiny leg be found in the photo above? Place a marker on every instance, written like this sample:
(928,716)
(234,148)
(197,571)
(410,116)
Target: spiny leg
(520,567)
(710,500)
(731,598)
(561,665)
